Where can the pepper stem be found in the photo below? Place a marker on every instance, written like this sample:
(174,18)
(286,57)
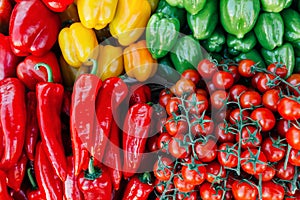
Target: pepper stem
(92,172)
(48,68)
(91,166)
(94,67)
(145,178)
(31,179)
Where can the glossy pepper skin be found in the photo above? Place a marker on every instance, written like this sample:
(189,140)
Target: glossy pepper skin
(96,13)
(238,17)
(242,45)
(160,44)
(205,21)
(43,29)
(13,111)
(5,12)
(35,195)
(291,20)
(140,94)
(252,55)
(76,43)
(177,3)
(215,42)
(186,54)
(48,182)
(130,20)
(135,132)
(275,6)
(49,102)
(138,61)
(57,5)
(30,77)
(269,30)
(284,54)
(3,187)
(193,7)
(139,187)
(8,61)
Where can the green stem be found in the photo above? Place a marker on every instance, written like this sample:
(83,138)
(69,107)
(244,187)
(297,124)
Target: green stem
(145,178)
(31,179)
(91,166)
(48,68)
(94,67)
(287,157)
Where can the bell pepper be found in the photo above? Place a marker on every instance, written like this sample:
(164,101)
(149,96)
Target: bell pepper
(186,54)
(68,73)
(57,5)
(274,6)
(3,187)
(284,54)
(269,30)
(177,3)
(205,21)
(95,183)
(48,182)
(252,55)
(130,20)
(153,4)
(167,71)
(30,77)
(110,61)
(291,20)
(77,43)
(8,61)
(172,11)
(13,111)
(16,174)
(244,44)
(96,13)
(138,62)
(135,133)
(160,44)
(296,46)
(49,101)
(43,24)
(215,42)
(193,7)
(239,17)
(297,65)
(5,12)
(69,16)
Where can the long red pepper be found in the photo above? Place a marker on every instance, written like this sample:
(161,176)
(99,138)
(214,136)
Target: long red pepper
(32,127)
(35,193)
(13,120)
(3,187)
(49,102)
(82,116)
(48,182)
(112,157)
(135,132)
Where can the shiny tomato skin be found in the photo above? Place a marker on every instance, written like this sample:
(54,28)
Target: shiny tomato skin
(278,68)
(160,186)
(251,137)
(273,149)
(255,78)
(172,106)
(285,174)
(196,103)
(223,134)
(193,174)
(203,126)
(208,192)
(192,75)
(163,141)
(294,157)
(266,82)
(234,115)
(270,99)
(294,80)
(250,98)
(187,196)
(214,172)
(164,173)
(178,148)
(268,174)
(272,191)
(289,109)
(223,80)
(183,86)
(282,127)
(218,99)
(176,125)
(181,185)
(225,158)
(242,190)
(206,151)
(235,92)
(293,137)
(248,167)
(265,118)
(206,69)
(235,72)
(244,67)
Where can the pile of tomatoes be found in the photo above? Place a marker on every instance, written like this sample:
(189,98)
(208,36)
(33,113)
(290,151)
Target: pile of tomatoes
(231,133)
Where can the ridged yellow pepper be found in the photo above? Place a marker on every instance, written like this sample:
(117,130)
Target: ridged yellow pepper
(130,20)
(68,73)
(138,62)
(96,13)
(76,43)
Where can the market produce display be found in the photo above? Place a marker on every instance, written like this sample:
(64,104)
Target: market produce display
(150,99)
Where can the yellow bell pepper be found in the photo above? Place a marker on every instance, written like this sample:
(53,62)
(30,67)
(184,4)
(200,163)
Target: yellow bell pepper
(96,13)
(138,61)
(68,73)
(130,21)
(77,43)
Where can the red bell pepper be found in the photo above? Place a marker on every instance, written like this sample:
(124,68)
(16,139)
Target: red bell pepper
(135,132)
(32,127)
(95,183)
(33,28)
(13,120)
(140,94)
(48,182)
(58,5)
(30,77)
(71,189)
(139,187)
(8,61)
(82,116)
(15,175)
(3,187)
(49,102)
(5,12)
(112,157)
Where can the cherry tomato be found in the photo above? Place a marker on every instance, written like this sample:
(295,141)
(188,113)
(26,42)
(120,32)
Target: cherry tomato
(215,172)
(152,143)
(255,78)
(202,126)
(223,80)
(176,125)
(272,191)
(192,75)
(268,174)
(249,99)
(278,68)
(242,190)
(294,157)
(183,86)
(285,174)
(270,99)
(210,87)
(289,108)
(163,168)
(235,115)
(186,196)
(250,165)
(251,137)
(208,192)
(206,69)
(164,97)
(196,103)
(273,148)
(178,148)
(235,92)
(227,155)
(235,72)
(163,140)
(266,82)
(294,80)
(265,118)
(293,137)
(218,99)
(206,151)
(223,134)
(181,185)
(245,67)
(202,92)
(172,106)
(282,126)
(160,186)
(193,173)
(220,115)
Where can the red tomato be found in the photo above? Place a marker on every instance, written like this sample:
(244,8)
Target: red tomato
(268,174)
(255,78)
(282,126)
(202,92)
(164,97)
(235,115)
(278,68)
(235,92)
(163,141)
(293,137)
(223,134)
(294,80)
(208,192)
(176,125)
(242,190)
(273,148)
(196,103)
(227,155)
(270,99)
(266,82)
(272,191)
(178,148)
(245,68)
(223,80)
(253,163)
(249,99)
(264,117)
(192,75)
(218,99)
(181,185)
(152,143)
(183,86)
(251,137)
(285,174)
(202,126)
(172,106)
(294,157)
(289,108)
(206,151)
(215,172)
(163,168)
(210,87)
(206,69)
(187,196)
(235,72)
(193,173)
(160,186)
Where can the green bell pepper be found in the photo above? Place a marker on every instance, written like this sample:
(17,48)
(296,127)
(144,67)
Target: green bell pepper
(244,44)
(172,11)
(178,3)
(297,65)
(238,17)
(205,21)
(194,6)
(296,46)
(186,54)
(232,51)
(284,54)
(215,42)
(269,30)
(291,20)
(252,55)
(161,34)
(166,70)
(275,6)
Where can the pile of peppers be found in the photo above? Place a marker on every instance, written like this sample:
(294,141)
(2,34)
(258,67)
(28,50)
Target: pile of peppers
(68,68)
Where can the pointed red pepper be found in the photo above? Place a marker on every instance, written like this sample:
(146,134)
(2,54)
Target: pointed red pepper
(3,187)
(34,193)
(140,94)
(49,101)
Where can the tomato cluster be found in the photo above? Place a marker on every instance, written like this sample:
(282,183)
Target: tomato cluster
(231,133)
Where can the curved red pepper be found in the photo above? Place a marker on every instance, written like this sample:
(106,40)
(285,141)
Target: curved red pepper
(49,101)
(5,12)
(35,195)
(140,94)
(12,112)
(139,187)
(44,26)
(135,132)
(3,187)
(58,5)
